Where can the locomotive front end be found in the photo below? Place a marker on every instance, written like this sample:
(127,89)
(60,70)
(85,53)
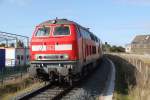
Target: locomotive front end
(53,51)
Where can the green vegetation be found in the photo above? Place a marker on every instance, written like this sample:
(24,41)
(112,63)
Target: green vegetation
(118,96)
(2,45)
(19,44)
(108,48)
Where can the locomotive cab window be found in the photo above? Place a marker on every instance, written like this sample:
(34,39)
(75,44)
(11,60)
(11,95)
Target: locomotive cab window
(44,31)
(61,30)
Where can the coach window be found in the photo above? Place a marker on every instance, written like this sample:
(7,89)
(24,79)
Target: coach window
(90,50)
(88,35)
(43,31)
(92,37)
(61,30)
(82,32)
(78,31)
(99,49)
(79,34)
(94,51)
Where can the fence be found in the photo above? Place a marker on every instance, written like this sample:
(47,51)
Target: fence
(9,73)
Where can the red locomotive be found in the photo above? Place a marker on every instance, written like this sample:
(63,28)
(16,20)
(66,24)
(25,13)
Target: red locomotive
(63,50)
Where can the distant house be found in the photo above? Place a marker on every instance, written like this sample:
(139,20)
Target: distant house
(128,48)
(140,44)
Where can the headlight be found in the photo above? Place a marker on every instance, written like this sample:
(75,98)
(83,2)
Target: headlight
(66,56)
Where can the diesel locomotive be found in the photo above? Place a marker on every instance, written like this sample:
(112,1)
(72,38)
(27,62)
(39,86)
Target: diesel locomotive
(62,50)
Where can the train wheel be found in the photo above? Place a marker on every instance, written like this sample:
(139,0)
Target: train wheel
(52,76)
(70,82)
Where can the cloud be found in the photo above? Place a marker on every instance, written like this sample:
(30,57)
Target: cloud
(133,2)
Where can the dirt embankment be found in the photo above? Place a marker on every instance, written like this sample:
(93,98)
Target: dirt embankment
(132,75)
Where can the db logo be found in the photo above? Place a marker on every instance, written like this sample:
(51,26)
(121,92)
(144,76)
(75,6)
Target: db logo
(50,47)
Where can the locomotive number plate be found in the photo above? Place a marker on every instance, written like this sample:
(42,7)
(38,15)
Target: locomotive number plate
(50,47)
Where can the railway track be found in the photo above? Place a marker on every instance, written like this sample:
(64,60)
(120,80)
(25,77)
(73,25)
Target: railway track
(52,92)
(55,92)
(49,92)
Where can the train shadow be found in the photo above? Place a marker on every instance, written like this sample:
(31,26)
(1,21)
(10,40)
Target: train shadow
(96,83)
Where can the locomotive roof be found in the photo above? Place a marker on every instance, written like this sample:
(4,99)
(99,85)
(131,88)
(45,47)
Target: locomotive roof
(58,21)
(61,21)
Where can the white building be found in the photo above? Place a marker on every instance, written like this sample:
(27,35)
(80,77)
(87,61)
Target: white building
(128,48)
(16,57)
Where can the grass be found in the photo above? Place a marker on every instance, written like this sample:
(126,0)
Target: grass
(22,91)
(10,90)
(118,96)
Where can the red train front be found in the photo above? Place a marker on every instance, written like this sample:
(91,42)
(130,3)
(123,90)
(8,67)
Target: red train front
(62,50)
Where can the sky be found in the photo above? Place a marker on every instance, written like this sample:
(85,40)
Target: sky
(114,21)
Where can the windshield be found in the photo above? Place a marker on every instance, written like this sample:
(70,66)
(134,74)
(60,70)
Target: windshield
(44,31)
(61,30)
